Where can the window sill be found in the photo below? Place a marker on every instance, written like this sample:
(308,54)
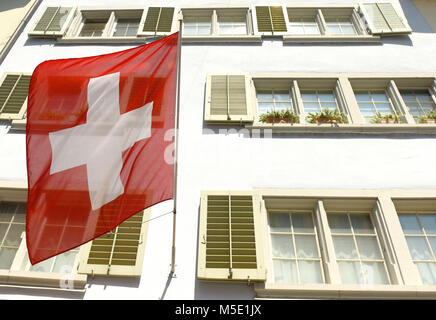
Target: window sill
(141,40)
(328,39)
(19,124)
(43,279)
(428,129)
(221,39)
(339,291)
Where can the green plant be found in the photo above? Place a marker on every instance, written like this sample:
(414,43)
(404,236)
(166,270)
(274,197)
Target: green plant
(286,115)
(429,115)
(378,118)
(327,115)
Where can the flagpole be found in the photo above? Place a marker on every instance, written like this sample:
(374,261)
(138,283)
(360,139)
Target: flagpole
(176,144)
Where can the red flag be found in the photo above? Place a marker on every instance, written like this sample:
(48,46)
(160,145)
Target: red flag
(96,139)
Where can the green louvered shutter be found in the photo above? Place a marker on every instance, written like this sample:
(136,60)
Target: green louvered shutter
(53,22)
(158,20)
(270,19)
(118,253)
(13,95)
(230,245)
(227,99)
(382,18)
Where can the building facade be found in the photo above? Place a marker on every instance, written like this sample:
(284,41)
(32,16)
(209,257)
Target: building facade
(305,163)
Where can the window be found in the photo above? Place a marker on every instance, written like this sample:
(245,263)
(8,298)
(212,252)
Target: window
(418,102)
(225,23)
(12,226)
(317,100)
(420,232)
(126,27)
(303,26)
(295,250)
(197,26)
(372,101)
(53,22)
(357,249)
(340,26)
(93,28)
(273,100)
(232,25)
(270,19)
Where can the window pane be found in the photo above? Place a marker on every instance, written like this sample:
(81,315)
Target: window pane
(7,257)
(418,248)
(362,97)
(410,224)
(374,273)
(282,96)
(44,266)
(296,29)
(13,237)
(265,107)
(310,272)
(339,223)
(310,107)
(302,223)
(427,272)
(368,248)
(432,241)
(348,29)
(282,246)
(344,247)
(311,29)
(382,97)
(362,223)
(285,271)
(384,108)
(367,109)
(349,271)
(65,262)
(429,223)
(334,29)
(306,247)
(264,96)
(279,222)
(3,228)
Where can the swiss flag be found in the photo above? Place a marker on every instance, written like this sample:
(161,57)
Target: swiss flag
(99,143)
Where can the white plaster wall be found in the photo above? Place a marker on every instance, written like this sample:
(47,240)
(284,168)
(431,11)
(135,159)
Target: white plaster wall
(208,160)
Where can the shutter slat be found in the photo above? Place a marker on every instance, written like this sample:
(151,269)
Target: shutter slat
(391,16)
(278,19)
(237,95)
(165,20)
(152,19)
(218,104)
(263,17)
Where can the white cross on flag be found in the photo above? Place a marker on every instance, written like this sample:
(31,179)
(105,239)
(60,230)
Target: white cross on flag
(95,143)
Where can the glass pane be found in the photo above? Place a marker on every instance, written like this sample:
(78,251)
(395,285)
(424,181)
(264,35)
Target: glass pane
(330,106)
(282,96)
(279,222)
(349,271)
(362,223)
(418,248)
(380,97)
(3,228)
(362,97)
(302,223)
(344,247)
(367,109)
(384,108)
(264,96)
(310,272)
(13,237)
(432,241)
(240,29)
(44,266)
(265,107)
(189,30)
(203,30)
(410,224)
(311,29)
(348,29)
(282,246)
(427,272)
(64,262)
(374,273)
(326,97)
(7,256)
(429,223)
(309,97)
(311,107)
(368,248)
(296,29)
(225,29)
(339,223)
(285,271)
(306,247)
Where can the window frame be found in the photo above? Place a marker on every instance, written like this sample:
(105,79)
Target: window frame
(19,273)
(405,280)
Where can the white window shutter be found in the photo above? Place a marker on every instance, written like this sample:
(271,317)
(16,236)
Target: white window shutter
(384,18)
